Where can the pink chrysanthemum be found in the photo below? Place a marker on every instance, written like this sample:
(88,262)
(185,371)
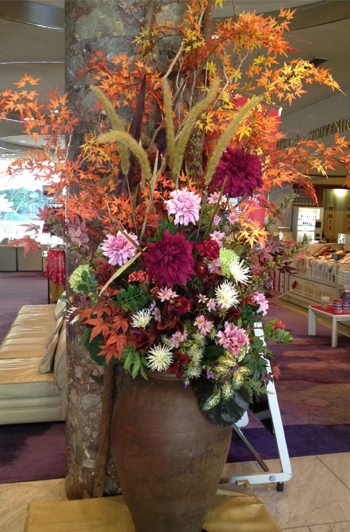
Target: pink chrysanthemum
(156,314)
(211,305)
(218,237)
(118,248)
(170,260)
(232,218)
(243,171)
(204,325)
(261,300)
(166,294)
(233,338)
(214,265)
(216,220)
(185,205)
(177,338)
(214,198)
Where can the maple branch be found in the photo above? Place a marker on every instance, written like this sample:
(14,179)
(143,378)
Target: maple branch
(179,52)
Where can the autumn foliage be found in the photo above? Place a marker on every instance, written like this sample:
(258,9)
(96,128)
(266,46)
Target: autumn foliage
(104,200)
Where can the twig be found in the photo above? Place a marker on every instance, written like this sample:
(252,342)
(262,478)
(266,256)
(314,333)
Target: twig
(179,52)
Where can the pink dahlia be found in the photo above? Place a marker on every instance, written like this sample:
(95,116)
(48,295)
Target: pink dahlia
(233,338)
(185,205)
(243,171)
(170,260)
(119,249)
(261,300)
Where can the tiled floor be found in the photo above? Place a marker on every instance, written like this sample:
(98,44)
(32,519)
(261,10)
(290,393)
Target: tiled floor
(316,499)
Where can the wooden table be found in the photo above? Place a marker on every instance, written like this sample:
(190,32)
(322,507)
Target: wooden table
(315,310)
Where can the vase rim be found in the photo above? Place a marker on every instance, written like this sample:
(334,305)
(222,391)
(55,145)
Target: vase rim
(162,375)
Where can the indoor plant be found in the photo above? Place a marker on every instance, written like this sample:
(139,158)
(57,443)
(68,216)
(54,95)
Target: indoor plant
(109,206)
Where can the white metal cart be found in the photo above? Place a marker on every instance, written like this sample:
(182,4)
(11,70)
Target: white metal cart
(266,476)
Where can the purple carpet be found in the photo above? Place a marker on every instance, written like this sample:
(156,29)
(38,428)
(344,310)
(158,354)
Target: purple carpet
(310,358)
(312,391)
(18,289)
(32,451)
(302,440)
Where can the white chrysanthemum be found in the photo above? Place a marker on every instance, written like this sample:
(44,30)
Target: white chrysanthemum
(226,295)
(239,272)
(195,353)
(199,338)
(194,372)
(141,318)
(159,357)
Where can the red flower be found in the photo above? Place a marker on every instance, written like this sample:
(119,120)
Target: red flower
(180,305)
(201,269)
(170,260)
(279,325)
(243,171)
(177,367)
(209,248)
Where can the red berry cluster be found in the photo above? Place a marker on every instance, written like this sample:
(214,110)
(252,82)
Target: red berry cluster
(137,276)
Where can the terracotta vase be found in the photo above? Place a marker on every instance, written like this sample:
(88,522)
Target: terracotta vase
(169,457)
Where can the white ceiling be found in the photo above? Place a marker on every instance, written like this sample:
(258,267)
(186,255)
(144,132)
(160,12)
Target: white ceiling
(320,29)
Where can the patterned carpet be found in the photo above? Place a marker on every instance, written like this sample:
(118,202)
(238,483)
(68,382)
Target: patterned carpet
(313,393)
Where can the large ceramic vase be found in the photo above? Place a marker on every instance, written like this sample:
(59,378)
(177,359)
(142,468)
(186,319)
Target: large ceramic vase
(169,457)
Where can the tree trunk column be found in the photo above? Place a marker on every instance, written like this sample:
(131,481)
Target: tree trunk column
(110,26)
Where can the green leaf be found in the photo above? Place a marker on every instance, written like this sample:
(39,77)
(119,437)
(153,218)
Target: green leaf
(213,352)
(164,225)
(142,372)
(136,367)
(95,347)
(134,298)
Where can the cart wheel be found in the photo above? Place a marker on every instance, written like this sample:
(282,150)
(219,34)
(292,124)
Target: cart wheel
(280,486)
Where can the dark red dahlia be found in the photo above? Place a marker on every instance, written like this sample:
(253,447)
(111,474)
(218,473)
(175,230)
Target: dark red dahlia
(209,248)
(170,260)
(243,171)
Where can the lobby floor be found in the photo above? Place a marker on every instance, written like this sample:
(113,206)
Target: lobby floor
(316,499)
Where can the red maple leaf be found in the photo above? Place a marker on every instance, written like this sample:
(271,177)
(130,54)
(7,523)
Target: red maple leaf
(29,244)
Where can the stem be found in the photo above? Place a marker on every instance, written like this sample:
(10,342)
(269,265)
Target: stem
(132,206)
(152,184)
(216,207)
(179,52)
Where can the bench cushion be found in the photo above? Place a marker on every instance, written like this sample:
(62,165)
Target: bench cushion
(48,359)
(35,310)
(59,368)
(20,378)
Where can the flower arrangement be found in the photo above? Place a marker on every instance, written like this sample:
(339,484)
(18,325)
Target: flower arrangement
(187,303)
(173,268)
